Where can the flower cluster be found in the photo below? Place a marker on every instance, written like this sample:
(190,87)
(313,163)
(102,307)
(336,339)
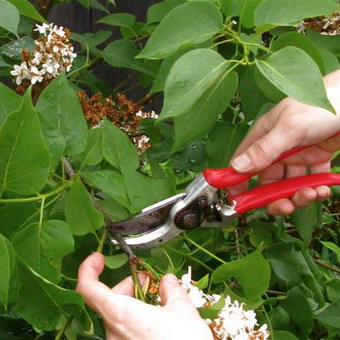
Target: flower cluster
(232,322)
(52,54)
(324,25)
(122,112)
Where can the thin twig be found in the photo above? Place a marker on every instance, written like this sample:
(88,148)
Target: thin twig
(147,99)
(327,265)
(122,84)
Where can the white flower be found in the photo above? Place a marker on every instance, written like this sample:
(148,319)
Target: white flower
(36,76)
(21,72)
(43,28)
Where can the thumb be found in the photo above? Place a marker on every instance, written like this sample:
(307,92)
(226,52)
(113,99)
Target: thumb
(263,153)
(173,295)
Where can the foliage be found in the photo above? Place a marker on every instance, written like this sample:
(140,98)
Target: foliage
(220,64)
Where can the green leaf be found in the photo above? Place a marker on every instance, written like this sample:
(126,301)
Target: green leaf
(122,53)
(330,43)
(10,101)
(21,171)
(116,261)
(110,182)
(9,17)
(114,209)
(27,9)
(144,191)
(118,19)
(242,8)
(222,142)
(300,41)
(42,246)
(6,269)
(62,119)
(245,271)
(332,246)
(159,10)
(284,335)
(202,116)
(117,148)
(90,40)
(42,303)
(10,220)
(331,315)
(293,72)
(196,21)
(291,12)
(306,220)
(252,98)
(92,155)
(330,61)
(302,317)
(13,49)
(80,213)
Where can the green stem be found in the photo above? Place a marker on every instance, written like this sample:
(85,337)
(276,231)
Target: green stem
(202,249)
(138,288)
(151,270)
(61,332)
(194,259)
(102,241)
(86,64)
(169,258)
(38,197)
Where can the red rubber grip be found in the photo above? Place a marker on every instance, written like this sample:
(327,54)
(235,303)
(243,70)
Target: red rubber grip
(225,178)
(265,194)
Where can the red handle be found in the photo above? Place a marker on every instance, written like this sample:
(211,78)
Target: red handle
(268,193)
(224,178)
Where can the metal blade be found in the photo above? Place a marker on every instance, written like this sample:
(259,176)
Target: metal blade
(149,219)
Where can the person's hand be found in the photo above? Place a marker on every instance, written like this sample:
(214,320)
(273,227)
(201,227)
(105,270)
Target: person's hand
(128,318)
(290,124)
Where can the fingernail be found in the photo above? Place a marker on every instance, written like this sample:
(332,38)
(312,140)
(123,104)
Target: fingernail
(241,163)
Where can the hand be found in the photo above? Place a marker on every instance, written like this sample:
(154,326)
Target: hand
(128,318)
(290,124)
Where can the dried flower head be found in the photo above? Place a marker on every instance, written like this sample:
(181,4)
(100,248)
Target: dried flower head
(124,113)
(52,54)
(323,24)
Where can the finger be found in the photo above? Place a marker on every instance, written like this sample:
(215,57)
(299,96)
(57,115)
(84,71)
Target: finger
(323,193)
(282,206)
(320,167)
(304,197)
(272,174)
(126,287)
(94,292)
(174,296)
(295,170)
(265,151)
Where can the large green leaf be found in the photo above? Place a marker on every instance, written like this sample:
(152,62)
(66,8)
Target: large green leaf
(9,17)
(187,24)
(42,303)
(122,53)
(118,19)
(80,213)
(306,220)
(10,101)
(201,117)
(13,49)
(191,76)
(10,220)
(159,10)
(24,158)
(117,148)
(92,155)
(111,183)
(6,268)
(90,40)
(291,12)
(27,9)
(331,315)
(62,119)
(242,8)
(42,246)
(302,42)
(294,72)
(246,272)
(222,142)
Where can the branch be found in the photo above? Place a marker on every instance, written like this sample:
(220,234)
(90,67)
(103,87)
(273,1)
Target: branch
(327,265)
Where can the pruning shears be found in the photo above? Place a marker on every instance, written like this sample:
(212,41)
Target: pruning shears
(208,203)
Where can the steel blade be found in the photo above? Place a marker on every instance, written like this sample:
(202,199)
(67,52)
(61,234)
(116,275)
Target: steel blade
(149,219)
